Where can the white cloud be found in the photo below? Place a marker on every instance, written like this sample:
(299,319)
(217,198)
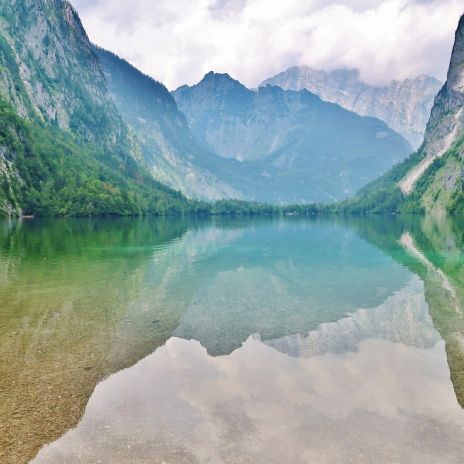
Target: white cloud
(178,41)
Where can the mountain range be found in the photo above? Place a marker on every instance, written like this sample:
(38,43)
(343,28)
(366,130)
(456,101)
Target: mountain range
(83,132)
(404,105)
(292,146)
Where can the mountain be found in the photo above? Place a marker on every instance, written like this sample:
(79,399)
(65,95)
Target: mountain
(432,179)
(169,150)
(442,163)
(64,147)
(404,105)
(49,71)
(291,146)
(82,132)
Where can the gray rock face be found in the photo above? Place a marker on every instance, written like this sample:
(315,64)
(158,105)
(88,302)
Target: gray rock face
(49,70)
(404,105)
(12,182)
(455,78)
(444,129)
(447,116)
(287,146)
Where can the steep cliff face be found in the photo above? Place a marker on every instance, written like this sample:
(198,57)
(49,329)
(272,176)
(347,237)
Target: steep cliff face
(51,71)
(11,141)
(404,105)
(438,178)
(64,147)
(290,146)
(447,118)
(170,152)
(431,179)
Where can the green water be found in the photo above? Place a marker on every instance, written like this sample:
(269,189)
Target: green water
(217,341)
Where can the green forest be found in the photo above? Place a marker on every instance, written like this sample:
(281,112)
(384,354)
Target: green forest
(57,175)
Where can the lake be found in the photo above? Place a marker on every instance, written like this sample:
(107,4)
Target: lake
(219,340)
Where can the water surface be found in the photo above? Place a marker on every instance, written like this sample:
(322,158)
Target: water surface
(218,341)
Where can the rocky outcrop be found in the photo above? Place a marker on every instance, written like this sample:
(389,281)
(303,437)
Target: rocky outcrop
(12,144)
(404,105)
(11,183)
(49,70)
(443,137)
(447,116)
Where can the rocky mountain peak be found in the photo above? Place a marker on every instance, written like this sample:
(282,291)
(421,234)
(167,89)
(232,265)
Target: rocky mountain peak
(219,80)
(455,81)
(279,139)
(72,18)
(447,118)
(404,105)
(446,122)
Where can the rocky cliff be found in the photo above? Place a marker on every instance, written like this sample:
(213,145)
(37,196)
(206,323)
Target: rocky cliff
(438,178)
(50,70)
(404,105)
(432,179)
(64,147)
(11,185)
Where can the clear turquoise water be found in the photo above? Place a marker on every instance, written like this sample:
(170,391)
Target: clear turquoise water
(224,341)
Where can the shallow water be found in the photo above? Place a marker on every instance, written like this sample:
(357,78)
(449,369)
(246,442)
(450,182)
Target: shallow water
(217,341)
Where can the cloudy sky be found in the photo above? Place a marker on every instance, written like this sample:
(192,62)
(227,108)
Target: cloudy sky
(178,41)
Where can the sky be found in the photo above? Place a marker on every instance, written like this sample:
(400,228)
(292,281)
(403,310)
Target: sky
(178,41)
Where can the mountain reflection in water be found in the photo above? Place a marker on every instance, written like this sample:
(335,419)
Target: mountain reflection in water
(261,340)
(376,390)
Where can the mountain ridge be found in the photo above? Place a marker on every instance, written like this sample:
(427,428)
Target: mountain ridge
(281,139)
(78,136)
(168,148)
(404,105)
